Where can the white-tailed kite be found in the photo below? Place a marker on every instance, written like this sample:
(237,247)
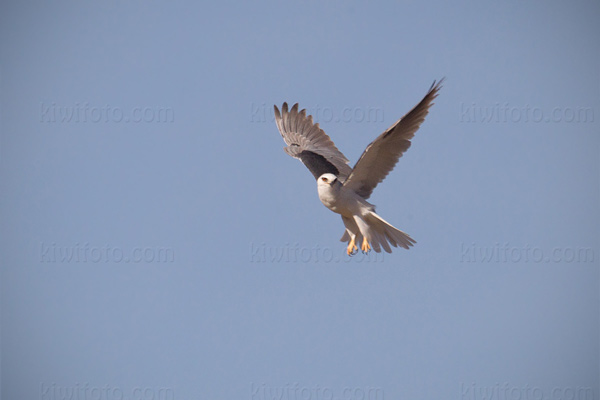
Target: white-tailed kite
(345,190)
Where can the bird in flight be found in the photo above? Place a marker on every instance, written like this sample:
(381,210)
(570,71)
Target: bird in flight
(345,190)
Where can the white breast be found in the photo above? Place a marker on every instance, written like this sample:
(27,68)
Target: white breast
(340,200)
(329,196)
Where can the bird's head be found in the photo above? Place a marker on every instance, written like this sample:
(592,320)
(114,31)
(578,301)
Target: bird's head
(327,179)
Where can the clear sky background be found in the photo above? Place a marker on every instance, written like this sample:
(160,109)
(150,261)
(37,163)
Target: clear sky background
(156,241)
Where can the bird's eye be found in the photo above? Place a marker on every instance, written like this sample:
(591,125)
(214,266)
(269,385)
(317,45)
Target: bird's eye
(324,179)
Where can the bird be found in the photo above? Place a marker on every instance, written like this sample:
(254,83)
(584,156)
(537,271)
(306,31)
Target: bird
(345,190)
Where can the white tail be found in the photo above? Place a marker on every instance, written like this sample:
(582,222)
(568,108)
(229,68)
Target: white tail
(382,234)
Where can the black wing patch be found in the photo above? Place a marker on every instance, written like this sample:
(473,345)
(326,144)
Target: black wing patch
(317,164)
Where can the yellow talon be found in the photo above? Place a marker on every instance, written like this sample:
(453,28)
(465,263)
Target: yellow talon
(352,249)
(365,246)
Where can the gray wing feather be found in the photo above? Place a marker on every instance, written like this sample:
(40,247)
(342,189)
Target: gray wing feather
(380,157)
(303,137)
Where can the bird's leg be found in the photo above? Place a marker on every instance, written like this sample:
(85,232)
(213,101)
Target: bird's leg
(365,246)
(352,249)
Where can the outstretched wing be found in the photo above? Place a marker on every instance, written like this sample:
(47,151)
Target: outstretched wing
(307,142)
(380,157)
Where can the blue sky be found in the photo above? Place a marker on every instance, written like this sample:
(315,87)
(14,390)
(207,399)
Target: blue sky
(156,241)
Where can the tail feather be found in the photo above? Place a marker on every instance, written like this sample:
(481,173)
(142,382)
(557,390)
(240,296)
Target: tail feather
(383,232)
(381,239)
(375,241)
(345,237)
